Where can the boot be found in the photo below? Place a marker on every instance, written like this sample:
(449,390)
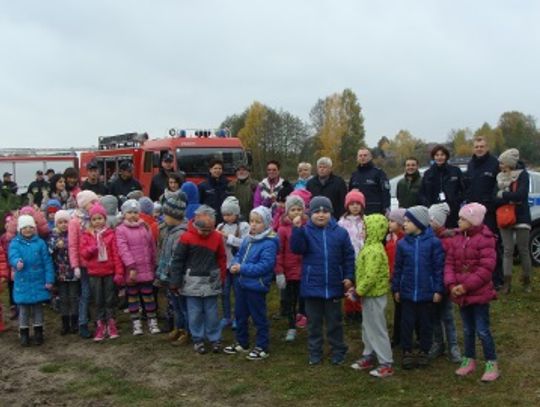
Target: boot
(25,336)
(507,285)
(38,335)
(84,332)
(65,325)
(527,284)
(74,322)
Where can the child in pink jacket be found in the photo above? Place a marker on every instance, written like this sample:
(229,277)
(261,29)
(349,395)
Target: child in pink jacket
(137,250)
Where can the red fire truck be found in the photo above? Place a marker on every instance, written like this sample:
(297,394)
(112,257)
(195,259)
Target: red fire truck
(192,149)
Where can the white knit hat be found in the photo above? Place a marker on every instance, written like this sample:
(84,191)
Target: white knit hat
(24,221)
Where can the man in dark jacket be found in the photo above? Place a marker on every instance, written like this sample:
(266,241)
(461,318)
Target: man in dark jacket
(408,188)
(243,188)
(213,191)
(327,184)
(372,182)
(160,180)
(92,182)
(37,189)
(125,183)
(8,184)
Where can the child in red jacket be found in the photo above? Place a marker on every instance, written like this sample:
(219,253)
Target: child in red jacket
(4,270)
(469,266)
(99,251)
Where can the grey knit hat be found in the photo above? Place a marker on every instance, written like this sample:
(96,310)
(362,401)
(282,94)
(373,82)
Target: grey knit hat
(438,213)
(265,214)
(510,157)
(320,203)
(131,205)
(230,206)
(397,215)
(147,206)
(137,194)
(419,215)
(175,205)
(294,200)
(110,203)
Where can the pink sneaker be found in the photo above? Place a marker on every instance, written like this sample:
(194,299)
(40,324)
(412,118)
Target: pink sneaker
(468,366)
(301,321)
(112,330)
(101,330)
(492,371)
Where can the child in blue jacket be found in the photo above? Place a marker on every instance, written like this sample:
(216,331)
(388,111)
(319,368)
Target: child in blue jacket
(417,283)
(34,277)
(327,272)
(253,272)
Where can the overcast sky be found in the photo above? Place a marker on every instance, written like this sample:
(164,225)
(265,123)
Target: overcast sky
(72,71)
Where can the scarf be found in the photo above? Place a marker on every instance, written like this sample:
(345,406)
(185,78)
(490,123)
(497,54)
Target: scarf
(505,179)
(254,238)
(102,248)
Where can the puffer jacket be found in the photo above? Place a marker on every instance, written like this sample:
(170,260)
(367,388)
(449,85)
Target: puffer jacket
(257,259)
(58,248)
(390,247)
(418,269)
(170,237)
(199,264)
(4,270)
(470,261)
(89,253)
(77,224)
(354,225)
(137,249)
(287,262)
(372,262)
(29,283)
(328,259)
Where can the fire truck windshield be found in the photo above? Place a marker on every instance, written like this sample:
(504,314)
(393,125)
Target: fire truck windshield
(194,161)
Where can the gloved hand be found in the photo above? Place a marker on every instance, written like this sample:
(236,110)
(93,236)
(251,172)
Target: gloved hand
(280,281)
(77,273)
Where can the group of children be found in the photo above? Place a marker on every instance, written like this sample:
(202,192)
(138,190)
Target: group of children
(315,260)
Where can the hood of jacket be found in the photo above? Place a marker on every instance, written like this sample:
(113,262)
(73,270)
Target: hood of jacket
(191,191)
(376,228)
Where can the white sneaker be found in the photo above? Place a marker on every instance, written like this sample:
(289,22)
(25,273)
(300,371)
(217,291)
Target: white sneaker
(291,335)
(153,326)
(137,327)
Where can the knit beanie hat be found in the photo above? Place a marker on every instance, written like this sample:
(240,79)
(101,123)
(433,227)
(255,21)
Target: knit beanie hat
(175,205)
(510,157)
(27,210)
(320,203)
(61,215)
(438,213)
(265,214)
(355,196)
(294,200)
(397,215)
(135,195)
(97,209)
(147,206)
(473,213)
(157,208)
(110,203)
(304,194)
(419,215)
(24,221)
(131,205)
(53,205)
(230,206)
(85,197)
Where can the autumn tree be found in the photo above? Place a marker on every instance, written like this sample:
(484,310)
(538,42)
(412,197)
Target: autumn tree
(461,142)
(519,131)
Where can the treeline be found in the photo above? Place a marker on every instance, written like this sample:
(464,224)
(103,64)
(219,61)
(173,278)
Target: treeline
(336,129)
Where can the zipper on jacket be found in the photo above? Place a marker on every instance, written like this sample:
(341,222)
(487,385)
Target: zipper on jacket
(325,262)
(415,296)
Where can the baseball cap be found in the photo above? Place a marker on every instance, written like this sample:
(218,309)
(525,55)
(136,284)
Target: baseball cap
(168,157)
(7,174)
(39,172)
(126,166)
(92,165)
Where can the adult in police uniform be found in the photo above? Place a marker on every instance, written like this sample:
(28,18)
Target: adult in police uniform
(161,179)
(124,183)
(372,182)
(92,182)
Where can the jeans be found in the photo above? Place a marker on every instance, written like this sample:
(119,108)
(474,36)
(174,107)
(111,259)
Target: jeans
(84,298)
(25,310)
(203,318)
(413,313)
(226,295)
(251,304)
(321,311)
(179,309)
(104,296)
(443,321)
(68,291)
(476,322)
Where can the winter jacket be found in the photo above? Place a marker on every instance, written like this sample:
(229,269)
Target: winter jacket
(98,188)
(372,262)
(287,262)
(158,184)
(137,249)
(4,269)
(520,197)
(213,192)
(236,234)
(89,253)
(373,183)
(334,188)
(443,179)
(170,238)
(257,259)
(244,190)
(390,247)
(418,269)
(328,259)
(199,264)
(266,192)
(58,244)
(192,193)
(354,225)
(470,261)
(76,227)
(29,283)
(152,224)
(120,188)
(408,190)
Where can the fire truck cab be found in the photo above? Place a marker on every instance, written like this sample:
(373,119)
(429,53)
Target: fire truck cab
(193,150)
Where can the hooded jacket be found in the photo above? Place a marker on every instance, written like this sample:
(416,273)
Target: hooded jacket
(137,249)
(287,262)
(470,261)
(89,254)
(170,237)
(192,193)
(372,262)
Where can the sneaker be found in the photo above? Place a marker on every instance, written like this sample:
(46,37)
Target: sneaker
(137,327)
(338,360)
(301,321)
(492,371)
(408,362)
(257,354)
(291,335)
(234,349)
(101,330)
(364,363)
(315,360)
(455,354)
(437,349)
(199,348)
(422,359)
(468,366)
(382,371)
(112,330)
(153,326)
(216,347)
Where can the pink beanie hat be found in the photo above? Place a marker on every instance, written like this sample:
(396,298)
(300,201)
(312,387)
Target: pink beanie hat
(96,209)
(473,213)
(86,197)
(355,196)
(304,194)
(27,210)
